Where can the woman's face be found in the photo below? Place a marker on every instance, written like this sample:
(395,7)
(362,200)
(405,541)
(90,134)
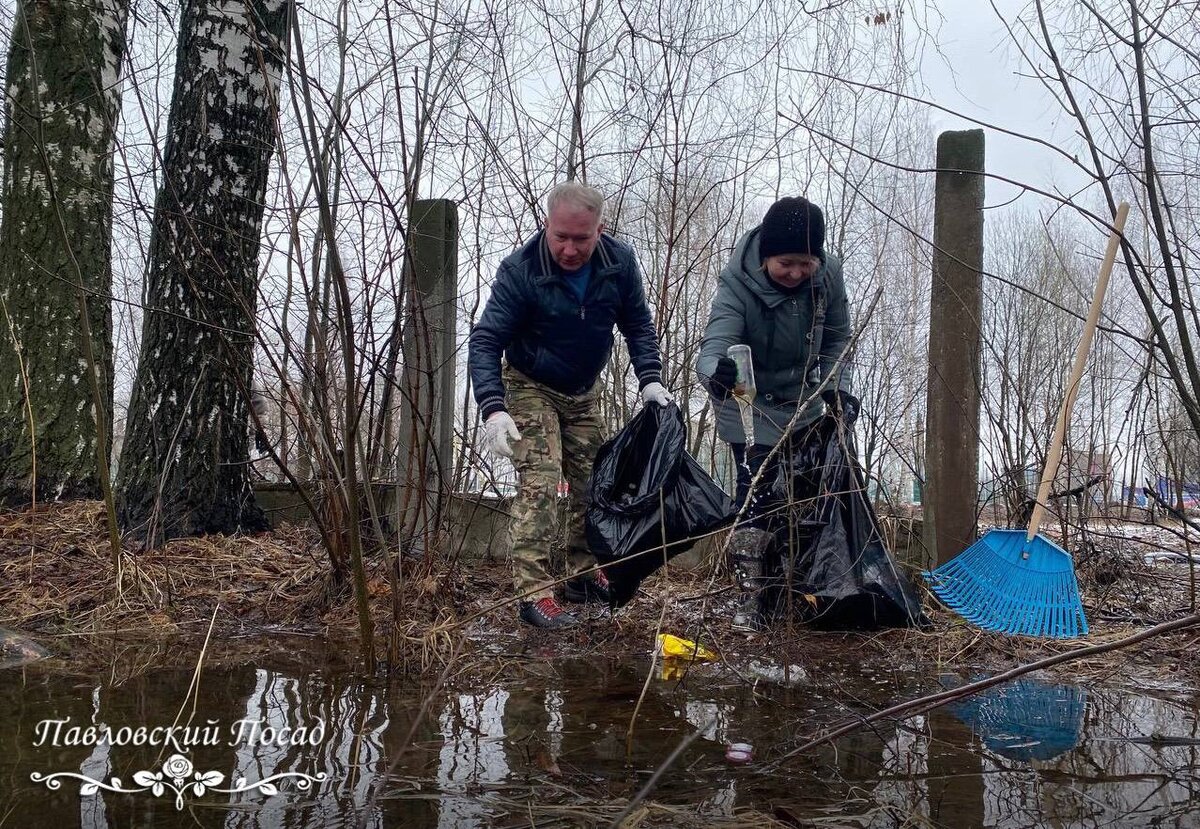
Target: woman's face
(792,269)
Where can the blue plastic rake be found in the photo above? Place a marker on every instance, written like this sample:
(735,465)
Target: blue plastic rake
(1005,583)
(1019,581)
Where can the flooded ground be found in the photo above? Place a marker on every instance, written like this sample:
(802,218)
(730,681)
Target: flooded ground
(543,742)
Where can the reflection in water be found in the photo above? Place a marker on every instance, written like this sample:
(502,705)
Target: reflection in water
(1026,719)
(1129,777)
(957,788)
(269,702)
(1054,749)
(554,726)
(711,718)
(472,756)
(1028,754)
(904,766)
(96,766)
(352,748)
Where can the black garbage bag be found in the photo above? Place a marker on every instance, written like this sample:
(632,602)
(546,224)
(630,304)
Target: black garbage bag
(830,563)
(649,500)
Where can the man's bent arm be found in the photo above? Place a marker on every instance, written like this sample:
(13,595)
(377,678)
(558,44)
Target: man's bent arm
(637,326)
(502,316)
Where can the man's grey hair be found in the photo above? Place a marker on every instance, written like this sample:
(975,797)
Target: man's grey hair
(577,194)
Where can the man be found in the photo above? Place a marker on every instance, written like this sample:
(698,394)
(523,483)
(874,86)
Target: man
(551,314)
(781,294)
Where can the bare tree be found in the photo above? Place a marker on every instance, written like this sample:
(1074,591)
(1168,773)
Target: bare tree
(1124,72)
(184,467)
(56,351)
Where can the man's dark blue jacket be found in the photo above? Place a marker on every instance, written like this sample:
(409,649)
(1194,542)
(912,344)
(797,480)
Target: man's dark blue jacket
(540,325)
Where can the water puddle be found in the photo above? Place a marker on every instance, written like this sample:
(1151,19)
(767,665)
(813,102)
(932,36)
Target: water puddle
(545,744)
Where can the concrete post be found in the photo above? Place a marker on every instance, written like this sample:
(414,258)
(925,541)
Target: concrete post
(955,333)
(425,454)
(956,791)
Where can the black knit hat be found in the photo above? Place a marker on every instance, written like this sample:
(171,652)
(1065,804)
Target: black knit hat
(793,225)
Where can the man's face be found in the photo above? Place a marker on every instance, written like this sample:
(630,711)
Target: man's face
(792,269)
(572,233)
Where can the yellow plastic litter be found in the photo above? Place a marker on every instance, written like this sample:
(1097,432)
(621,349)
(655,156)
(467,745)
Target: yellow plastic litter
(673,669)
(673,647)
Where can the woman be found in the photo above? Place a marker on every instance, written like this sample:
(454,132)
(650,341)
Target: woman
(782,295)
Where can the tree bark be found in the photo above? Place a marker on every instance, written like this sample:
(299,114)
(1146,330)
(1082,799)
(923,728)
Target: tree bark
(61,108)
(185,461)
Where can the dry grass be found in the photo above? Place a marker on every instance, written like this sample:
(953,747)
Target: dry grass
(56,577)
(56,574)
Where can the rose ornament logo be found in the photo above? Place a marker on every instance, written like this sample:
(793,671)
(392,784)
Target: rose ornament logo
(178,767)
(179,776)
(175,775)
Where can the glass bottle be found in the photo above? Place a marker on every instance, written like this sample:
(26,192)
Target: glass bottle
(744,389)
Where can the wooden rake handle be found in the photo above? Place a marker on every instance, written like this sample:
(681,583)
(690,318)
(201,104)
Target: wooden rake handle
(1054,454)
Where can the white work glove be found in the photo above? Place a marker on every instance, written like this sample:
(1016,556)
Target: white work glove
(657,393)
(498,429)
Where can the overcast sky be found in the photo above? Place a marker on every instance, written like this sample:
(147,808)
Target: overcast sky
(980,72)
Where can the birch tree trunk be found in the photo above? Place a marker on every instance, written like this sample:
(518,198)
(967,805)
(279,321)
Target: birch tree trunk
(61,107)
(184,465)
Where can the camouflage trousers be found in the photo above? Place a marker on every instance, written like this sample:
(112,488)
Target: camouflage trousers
(560,435)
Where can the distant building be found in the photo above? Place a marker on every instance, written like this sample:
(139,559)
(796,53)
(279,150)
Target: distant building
(1169,491)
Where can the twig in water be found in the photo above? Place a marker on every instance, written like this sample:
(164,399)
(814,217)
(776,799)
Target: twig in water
(928,703)
(193,691)
(658,773)
(655,653)
(422,712)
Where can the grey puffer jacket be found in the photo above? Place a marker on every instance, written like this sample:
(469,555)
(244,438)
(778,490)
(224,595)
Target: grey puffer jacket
(778,327)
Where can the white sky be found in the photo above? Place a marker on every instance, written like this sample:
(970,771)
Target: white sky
(980,72)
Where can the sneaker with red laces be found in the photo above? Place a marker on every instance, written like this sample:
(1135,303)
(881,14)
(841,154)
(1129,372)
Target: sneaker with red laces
(546,613)
(591,587)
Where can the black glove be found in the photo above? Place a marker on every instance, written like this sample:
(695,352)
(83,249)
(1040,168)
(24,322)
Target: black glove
(723,379)
(842,404)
